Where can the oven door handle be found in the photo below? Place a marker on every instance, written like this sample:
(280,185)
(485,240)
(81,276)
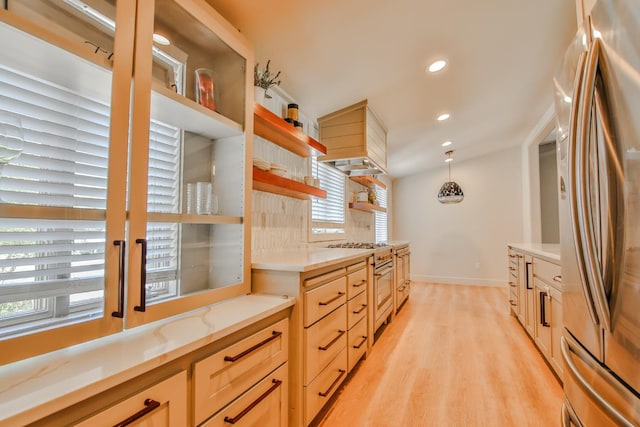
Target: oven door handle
(383,272)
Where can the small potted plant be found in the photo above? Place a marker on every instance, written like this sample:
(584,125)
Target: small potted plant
(263,80)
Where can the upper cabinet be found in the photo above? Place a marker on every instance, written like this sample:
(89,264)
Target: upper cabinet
(123,188)
(356,140)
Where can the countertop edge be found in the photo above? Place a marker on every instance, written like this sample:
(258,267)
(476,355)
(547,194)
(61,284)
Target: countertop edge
(538,250)
(14,413)
(308,266)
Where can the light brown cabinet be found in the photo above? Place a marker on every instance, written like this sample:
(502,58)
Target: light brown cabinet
(403,276)
(548,312)
(115,242)
(535,298)
(329,329)
(161,405)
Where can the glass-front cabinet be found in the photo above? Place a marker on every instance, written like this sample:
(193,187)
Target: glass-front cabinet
(123,143)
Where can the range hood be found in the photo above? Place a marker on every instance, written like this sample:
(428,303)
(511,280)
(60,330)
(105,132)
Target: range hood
(356,167)
(356,140)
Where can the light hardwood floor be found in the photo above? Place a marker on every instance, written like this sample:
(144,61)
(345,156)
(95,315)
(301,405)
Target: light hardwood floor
(452,357)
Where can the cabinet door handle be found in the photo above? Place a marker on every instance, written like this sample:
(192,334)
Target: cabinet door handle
(557,278)
(274,335)
(333,384)
(364,339)
(362,282)
(149,404)
(361,308)
(331,300)
(526,279)
(232,420)
(143,276)
(121,277)
(332,342)
(543,309)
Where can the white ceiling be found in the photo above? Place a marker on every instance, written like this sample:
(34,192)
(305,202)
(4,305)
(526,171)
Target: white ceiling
(497,86)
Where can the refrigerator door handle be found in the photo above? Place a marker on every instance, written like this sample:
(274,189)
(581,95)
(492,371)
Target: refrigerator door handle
(594,270)
(567,349)
(573,181)
(569,417)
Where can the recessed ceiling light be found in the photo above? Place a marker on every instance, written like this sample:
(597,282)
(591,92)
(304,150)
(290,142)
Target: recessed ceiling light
(444,116)
(160,39)
(437,66)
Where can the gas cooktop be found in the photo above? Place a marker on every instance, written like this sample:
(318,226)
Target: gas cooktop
(358,245)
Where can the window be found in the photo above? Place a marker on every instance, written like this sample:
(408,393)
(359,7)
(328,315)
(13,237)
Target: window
(381,217)
(52,270)
(327,215)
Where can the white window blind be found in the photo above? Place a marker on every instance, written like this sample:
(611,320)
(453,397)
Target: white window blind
(55,268)
(381,217)
(327,215)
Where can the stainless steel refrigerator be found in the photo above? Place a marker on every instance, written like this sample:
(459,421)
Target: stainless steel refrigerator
(598,117)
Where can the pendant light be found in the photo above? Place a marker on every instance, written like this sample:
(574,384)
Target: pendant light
(450,192)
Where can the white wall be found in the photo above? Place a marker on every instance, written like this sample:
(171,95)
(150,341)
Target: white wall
(462,243)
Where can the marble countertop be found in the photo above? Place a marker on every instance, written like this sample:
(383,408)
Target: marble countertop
(548,251)
(304,259)
(398,243)
(37,387)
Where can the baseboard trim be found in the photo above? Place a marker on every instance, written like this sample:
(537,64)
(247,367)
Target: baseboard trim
(460,280)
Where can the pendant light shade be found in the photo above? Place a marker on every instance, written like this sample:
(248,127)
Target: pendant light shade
(450,192)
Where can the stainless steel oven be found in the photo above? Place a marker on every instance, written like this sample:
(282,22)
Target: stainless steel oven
(383,273)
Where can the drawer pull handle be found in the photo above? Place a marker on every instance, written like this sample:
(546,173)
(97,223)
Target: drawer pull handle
(274,335)
(364,339)
(557,278)
(276,383)
(513,285)
(512,302)
(331,300)
(333,384)
(360,311)
(362,282)
(512,268)
(332,342)
(149,404)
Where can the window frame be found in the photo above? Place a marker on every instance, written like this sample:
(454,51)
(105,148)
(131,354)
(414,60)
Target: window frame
(323,236)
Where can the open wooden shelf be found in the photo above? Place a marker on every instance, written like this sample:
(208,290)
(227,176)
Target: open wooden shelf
(265,181)
(273,128)
(368,181)
(366,207)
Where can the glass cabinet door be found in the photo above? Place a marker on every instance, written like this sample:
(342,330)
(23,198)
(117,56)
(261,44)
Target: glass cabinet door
(188,148)
(63,159)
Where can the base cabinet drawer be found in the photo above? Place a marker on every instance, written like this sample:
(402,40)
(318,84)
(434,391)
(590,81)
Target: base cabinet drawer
(356,282)
(323,341)
(356,309)
(163,404)
(318,393)
(324,299)
(264,405)
(225,375)
(357,344)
